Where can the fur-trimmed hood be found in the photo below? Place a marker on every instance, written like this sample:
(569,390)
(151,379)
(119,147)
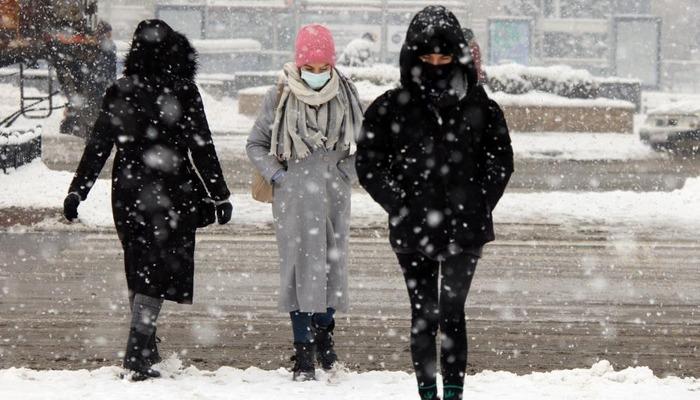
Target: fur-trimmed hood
(158,51)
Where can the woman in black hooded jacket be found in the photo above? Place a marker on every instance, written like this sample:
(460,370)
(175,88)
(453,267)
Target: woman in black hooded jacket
(435,153)
(155,117)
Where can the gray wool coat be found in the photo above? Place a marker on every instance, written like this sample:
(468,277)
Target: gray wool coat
(311,212)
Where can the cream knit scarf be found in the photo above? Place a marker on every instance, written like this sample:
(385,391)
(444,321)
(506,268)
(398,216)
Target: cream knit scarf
(330,117)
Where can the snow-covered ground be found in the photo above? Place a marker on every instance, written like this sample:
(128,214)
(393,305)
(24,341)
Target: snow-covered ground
(224,119)
(549,145)
(223,116)
(541,99)
(598,382)
(222,113)
(655,100)
(581,146)
(36,186)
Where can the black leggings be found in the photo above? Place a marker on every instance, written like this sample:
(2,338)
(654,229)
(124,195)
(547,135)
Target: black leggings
(444,308)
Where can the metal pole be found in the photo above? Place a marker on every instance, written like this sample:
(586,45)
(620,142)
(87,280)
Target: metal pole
(383,50)
(297,16)
(470,14)
(275,16)
(205,19)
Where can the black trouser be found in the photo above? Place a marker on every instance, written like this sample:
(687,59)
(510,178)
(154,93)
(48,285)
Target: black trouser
(443,307)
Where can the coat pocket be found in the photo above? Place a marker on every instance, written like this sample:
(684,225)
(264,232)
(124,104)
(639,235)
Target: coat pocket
(343,176)
(466,199)
(346,169)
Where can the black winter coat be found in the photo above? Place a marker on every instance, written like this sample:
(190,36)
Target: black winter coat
(155,118)
(439,171)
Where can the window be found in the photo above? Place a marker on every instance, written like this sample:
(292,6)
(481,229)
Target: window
(633,7)
(598,9)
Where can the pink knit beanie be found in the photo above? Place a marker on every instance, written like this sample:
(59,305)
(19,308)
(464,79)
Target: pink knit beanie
(315,45)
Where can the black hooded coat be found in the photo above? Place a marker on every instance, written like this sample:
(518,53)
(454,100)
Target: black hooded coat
(437,161)
(155,117)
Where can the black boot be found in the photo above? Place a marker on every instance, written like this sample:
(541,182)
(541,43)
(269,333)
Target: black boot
(137,353)
(303,362)
(452,392)
(154,356)
(428,393)
(325,353)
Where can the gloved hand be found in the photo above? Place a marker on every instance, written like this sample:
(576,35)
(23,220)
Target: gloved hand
(224,209)
(70,206)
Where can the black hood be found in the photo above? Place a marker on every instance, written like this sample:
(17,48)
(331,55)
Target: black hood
(434,29)
(158,51)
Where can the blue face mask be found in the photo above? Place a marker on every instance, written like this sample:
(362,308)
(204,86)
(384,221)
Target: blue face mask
(316,81)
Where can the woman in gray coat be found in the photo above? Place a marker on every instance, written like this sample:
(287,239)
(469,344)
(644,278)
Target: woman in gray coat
(302,143)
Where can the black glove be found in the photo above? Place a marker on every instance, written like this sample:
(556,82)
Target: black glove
(223,212)
(70,206)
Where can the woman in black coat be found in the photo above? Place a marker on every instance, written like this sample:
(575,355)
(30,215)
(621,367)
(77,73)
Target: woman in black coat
(155,118)
(435,153)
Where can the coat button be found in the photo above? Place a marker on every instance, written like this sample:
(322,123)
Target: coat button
(325,158)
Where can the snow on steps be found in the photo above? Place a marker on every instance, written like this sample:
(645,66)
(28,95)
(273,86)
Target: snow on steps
(530,112)
(600,381)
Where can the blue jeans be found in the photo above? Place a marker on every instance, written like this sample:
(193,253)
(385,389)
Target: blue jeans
(302,323)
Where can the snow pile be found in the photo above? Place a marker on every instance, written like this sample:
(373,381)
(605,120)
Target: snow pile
(684,107)
(541,99)
(222,114)
(35,186)
(581,146)
(677,209)
(379,74)
(18,135)
(560,80)
(369,92)
(553,82)
(660,100)
(360,52)
(256,90)
(549,145)
(509,85)
(598,382)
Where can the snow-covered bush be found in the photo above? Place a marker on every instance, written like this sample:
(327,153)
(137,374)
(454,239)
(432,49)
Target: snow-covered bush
(19,147)
(560,80)
(359,52)
(380,74)
(507,81)
(510,78)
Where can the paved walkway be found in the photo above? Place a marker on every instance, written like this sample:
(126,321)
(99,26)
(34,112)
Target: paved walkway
(543,298)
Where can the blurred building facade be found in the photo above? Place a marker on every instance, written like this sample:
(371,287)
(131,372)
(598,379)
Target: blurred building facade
(580,33)
(572,32)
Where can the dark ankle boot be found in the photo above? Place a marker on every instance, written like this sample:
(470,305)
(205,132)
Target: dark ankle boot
(325,353)
(154,356)
(135,359)
(303,362)
(452,392)
(428,393)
